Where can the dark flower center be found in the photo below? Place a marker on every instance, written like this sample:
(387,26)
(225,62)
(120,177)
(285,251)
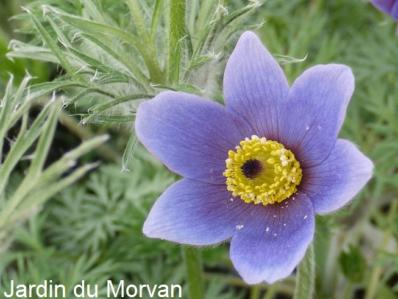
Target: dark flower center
(251,168)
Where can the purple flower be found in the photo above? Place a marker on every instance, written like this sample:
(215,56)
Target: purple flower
(257,170)
(389,7)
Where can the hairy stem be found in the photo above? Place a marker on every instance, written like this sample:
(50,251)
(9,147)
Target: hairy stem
(176,34)
(193,264)
(271,291)
(255,292)
(305,279)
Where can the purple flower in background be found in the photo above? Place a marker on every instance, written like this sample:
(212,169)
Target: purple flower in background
(389,7)
(258,169)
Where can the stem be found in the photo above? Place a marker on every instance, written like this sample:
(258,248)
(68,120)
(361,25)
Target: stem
(255,292)
(177,31)
(329,277)
(377,271)
(374,282)
(285,287)
(271,291)
(193,264)
(305,277)
(348,290)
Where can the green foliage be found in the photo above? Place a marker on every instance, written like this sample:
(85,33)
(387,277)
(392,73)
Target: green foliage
(8,30)
(110,55)
(136,56)
(31,142)
(89,215)
(353,264)
(92,232)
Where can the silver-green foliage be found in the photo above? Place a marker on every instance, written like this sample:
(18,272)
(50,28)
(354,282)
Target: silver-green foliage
(89,215)
(117,52)
(99,45)
(94,229)
(27,142)
(120,51)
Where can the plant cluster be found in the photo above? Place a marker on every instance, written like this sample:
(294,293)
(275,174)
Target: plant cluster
(94,61)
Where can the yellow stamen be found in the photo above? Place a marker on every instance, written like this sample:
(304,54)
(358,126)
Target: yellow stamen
(262,171)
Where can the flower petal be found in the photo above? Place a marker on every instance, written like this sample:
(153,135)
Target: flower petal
(190,135)
(332,184)
(195,213)
(274,240)
(312,116)
(387,6)
(254,84)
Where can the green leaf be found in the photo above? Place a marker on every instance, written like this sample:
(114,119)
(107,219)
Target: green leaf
(49,40)
(21,145)
(105,106)
(44,142)
(156,18)
(33,141)
(129,152)
(138,19)
(353,264)
(140,77)
(95,28)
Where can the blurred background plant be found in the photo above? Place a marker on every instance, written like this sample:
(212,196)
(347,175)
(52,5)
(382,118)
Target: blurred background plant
(101,58)
(8,31)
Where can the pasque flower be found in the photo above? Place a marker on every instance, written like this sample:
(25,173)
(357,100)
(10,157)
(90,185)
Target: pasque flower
(389,7)
(257,170)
